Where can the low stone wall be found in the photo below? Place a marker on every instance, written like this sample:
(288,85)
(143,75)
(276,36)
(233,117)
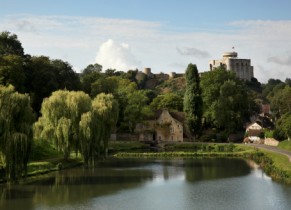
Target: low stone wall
(271,142)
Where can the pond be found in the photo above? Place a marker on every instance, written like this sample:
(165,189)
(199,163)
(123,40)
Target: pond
(141,184)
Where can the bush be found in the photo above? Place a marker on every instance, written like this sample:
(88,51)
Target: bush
(230,147)
(279,135)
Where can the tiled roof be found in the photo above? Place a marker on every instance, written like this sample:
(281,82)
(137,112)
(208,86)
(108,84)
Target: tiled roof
(180,116)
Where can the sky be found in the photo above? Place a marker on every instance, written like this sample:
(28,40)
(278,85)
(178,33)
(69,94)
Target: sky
(164,35)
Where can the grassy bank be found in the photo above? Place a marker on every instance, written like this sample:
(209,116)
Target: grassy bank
(275,165)
(286,145)
(43,160)
(192,150)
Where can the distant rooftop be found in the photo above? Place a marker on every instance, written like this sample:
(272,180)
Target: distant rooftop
(230,55)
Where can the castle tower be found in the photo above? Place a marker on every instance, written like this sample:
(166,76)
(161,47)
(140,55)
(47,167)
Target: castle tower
(230,61)
(172,75)
(147,71)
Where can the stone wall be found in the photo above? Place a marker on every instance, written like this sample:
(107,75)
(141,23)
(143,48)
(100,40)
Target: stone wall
(271,142)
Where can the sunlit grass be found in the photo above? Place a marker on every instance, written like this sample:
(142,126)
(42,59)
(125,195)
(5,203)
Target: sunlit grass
(280,161)
(285,145)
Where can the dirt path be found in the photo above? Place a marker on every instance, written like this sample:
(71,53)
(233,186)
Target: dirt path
(272,149)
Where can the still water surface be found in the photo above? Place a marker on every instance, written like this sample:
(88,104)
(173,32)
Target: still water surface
(152,184)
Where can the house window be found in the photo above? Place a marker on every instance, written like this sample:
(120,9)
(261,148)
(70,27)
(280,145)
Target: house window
(172,138)
(172,130)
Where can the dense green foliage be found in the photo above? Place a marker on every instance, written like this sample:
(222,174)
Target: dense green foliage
(170,101)
(59,123)
(226,101)
(10,45)
(278,95)
(16,120)
(283,125)
(193,104)
(71,121)
(11,71)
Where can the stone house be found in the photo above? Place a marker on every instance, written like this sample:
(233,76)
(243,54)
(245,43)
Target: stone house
(253,132)
(164,126)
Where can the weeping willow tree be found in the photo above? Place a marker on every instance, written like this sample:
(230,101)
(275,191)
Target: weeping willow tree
(61,114)
(96,127)
(88,136)
(16,119)
(72,121)
(106,109)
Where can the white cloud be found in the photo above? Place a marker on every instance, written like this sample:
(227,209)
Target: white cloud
(281,61)
(116,56)
(191,51)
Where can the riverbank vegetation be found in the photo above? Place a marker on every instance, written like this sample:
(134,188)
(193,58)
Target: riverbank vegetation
(275,165)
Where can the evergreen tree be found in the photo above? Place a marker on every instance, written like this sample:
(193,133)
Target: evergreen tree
(193,104)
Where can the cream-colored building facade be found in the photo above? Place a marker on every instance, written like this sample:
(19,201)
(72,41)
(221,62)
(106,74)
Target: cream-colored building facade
(165,127)
(230,61)
(168,128)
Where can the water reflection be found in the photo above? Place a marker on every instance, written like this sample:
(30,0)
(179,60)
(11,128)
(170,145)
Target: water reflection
(113,183)
(207,169)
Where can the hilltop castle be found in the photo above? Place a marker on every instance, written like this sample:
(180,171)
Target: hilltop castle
(171,75)
(230,61)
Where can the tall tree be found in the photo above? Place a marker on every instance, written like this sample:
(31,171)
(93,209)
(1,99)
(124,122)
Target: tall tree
(232,106)
(281,100)
(10,45)
(66,77)
(16,120)
(193,104)
(96,126)
(43,76)
(210,83)
(226,101)
(12,72)
(90,75)
(136,109)
(284,125)
(106,109)
(61,114)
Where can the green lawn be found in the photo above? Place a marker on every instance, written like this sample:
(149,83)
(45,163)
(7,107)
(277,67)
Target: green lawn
(118,146)
(280,161)
(43,150)
(285,145)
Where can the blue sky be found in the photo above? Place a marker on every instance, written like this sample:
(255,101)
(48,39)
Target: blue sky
(163,35)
